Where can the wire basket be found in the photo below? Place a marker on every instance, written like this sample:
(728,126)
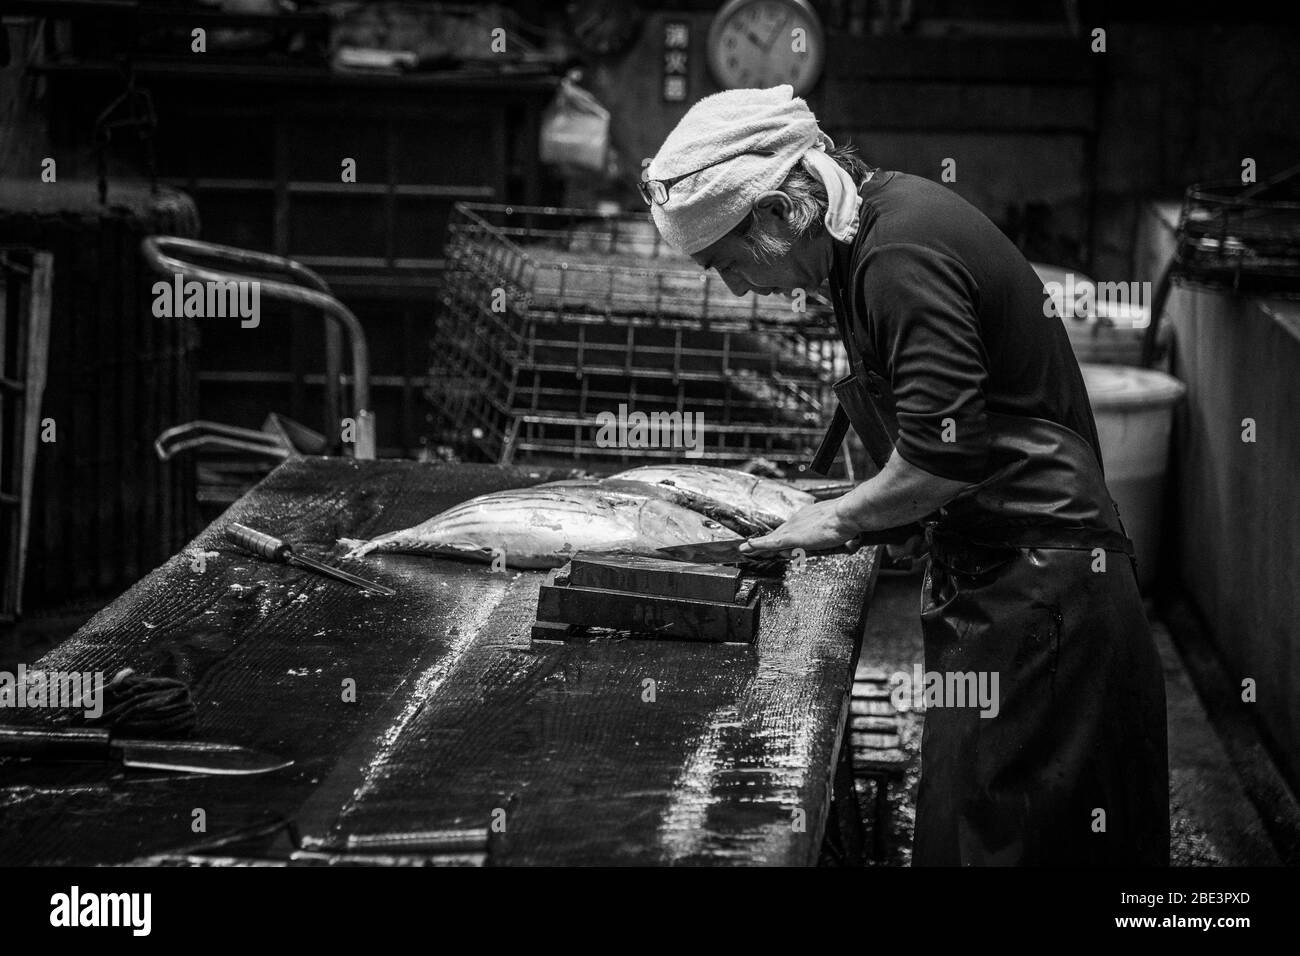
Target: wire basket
(1230,239)
(579,266)
(553,318)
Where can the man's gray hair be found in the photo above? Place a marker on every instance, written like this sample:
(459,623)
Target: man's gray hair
(808,206)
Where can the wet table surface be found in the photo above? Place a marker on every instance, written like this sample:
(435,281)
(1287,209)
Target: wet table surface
(604,751)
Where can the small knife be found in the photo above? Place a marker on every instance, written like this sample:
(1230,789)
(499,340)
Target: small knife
(87,743)
(728,552)
(706,552)
(273,549)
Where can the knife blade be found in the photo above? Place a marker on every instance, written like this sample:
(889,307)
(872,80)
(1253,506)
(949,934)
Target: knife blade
(180,756)
(273,549)
(706,552)
(728,552)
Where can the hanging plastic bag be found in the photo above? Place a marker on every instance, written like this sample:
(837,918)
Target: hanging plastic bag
(575,130)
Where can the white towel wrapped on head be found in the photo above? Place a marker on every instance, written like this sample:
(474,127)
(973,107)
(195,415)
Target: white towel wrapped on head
(736,126)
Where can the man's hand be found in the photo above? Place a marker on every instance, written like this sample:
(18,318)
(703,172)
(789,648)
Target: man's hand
(819,526)
(900,494)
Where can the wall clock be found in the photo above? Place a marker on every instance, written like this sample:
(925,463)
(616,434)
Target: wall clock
(762,43)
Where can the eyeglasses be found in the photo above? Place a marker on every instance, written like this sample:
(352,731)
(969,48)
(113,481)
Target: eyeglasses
(655,191)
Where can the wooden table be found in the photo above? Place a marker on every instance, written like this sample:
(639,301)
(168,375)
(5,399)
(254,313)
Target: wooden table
(598,752)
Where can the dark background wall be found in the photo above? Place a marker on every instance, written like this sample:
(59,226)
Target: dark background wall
(1041,127)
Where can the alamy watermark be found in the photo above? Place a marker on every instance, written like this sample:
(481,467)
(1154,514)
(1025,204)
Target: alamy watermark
(1081,298)
(240,298)
(75,908)
(624,429)
(71,690)
(920,690)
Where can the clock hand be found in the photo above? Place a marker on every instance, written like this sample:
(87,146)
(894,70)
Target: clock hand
(776,34)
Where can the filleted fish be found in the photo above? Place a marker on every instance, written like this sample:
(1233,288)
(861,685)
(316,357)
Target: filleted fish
(543,526)
(766,500)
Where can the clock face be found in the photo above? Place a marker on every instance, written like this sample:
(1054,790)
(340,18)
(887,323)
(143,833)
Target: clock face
(762,43)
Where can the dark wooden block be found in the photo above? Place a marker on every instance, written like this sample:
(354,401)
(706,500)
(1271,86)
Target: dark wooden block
(639,574)
(668,617)
(550,631)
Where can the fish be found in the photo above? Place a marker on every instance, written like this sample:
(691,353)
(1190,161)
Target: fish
(734,518)
(542,527)
(766,500)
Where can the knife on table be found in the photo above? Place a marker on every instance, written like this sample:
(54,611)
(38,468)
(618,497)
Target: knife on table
(728,552)
(183,756)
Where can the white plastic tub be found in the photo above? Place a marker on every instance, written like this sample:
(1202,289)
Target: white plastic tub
(1112,334)
(1134,410)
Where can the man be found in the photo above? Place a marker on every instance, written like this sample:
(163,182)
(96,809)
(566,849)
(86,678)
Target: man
(990,445)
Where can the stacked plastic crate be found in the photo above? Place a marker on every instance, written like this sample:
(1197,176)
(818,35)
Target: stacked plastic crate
(554,322)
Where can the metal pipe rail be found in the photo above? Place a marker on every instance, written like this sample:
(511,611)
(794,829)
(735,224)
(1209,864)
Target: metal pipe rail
(163,254)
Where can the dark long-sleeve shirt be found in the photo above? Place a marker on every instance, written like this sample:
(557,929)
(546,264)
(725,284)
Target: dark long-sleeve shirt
(947,310)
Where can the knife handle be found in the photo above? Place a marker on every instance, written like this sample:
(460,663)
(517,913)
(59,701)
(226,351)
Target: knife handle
(258,543)
(80,743)
(831,442)
(868,539)
(897,535)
